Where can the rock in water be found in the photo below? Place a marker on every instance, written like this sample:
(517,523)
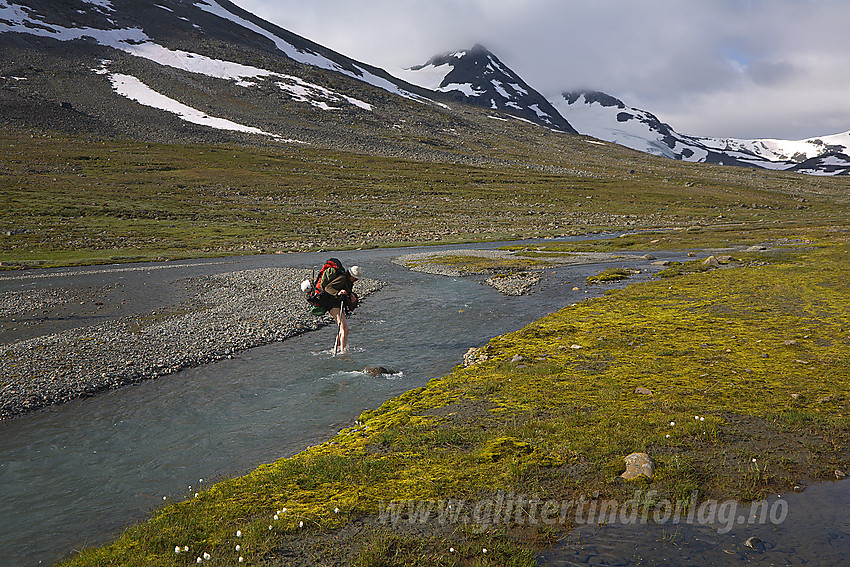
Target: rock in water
(377,370)
(638,464)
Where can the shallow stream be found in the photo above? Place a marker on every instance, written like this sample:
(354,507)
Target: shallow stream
(77,474)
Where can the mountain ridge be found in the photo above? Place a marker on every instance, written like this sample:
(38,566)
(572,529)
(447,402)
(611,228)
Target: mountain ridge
(608,118)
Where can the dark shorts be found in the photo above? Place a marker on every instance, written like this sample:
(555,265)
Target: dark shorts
(328,301)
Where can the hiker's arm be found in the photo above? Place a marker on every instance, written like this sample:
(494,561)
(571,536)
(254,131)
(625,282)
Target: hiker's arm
(336,285)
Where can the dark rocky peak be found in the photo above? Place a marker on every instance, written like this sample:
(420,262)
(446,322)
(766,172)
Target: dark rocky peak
(594,97)
(476,76)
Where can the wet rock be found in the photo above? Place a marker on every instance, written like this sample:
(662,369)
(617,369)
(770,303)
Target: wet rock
(517,358)
(840,475)
(643,391)
(661,263)
(790,342)
(638,464)
(753,543)
(647,257)
(377,370)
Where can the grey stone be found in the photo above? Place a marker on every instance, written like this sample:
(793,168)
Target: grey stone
(638,464)
(711,262)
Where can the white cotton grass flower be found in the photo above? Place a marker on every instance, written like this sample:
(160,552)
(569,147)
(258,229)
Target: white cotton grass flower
(667,436)
(238,533)
(336,510)
(484,550)
(238,547)
(451,550)
(185,549)
(177,549)
(207,556)
(275,517)
(199,560)
(196,495)
(270,528)
(301,524)
(241,559)
(672,424)
(702,418)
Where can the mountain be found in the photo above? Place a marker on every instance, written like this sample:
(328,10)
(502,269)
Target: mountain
(208,71)
(477,77)
(199,71)
(608,118)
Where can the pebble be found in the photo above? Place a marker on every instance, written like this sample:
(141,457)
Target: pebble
(243,309)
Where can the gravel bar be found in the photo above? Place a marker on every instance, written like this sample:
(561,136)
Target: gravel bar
(231,312)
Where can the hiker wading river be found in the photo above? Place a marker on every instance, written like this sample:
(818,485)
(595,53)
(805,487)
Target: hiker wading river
(333,292)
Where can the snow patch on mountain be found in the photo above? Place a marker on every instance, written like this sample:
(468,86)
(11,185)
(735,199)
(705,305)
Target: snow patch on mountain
(304,55)
(134,89)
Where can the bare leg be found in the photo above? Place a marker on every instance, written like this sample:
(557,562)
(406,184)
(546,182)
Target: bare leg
(341,341)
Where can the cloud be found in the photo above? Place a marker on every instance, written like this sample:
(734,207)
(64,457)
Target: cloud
(744,68)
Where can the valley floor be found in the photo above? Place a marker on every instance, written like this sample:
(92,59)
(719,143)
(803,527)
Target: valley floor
(734,382)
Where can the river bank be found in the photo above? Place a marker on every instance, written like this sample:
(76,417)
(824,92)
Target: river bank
(219,316)
(733,381)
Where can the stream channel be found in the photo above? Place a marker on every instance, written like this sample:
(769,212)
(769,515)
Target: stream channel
(77,474)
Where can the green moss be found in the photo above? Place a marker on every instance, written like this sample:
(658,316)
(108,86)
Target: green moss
(472,264)
(609,275)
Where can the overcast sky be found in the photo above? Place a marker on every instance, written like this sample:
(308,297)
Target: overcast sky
(725,68)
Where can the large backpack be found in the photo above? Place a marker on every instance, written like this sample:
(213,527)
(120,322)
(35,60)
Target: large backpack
(316,293)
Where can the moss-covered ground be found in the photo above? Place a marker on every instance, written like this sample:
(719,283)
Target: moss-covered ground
(75,200)
(736,381)
(473,264)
